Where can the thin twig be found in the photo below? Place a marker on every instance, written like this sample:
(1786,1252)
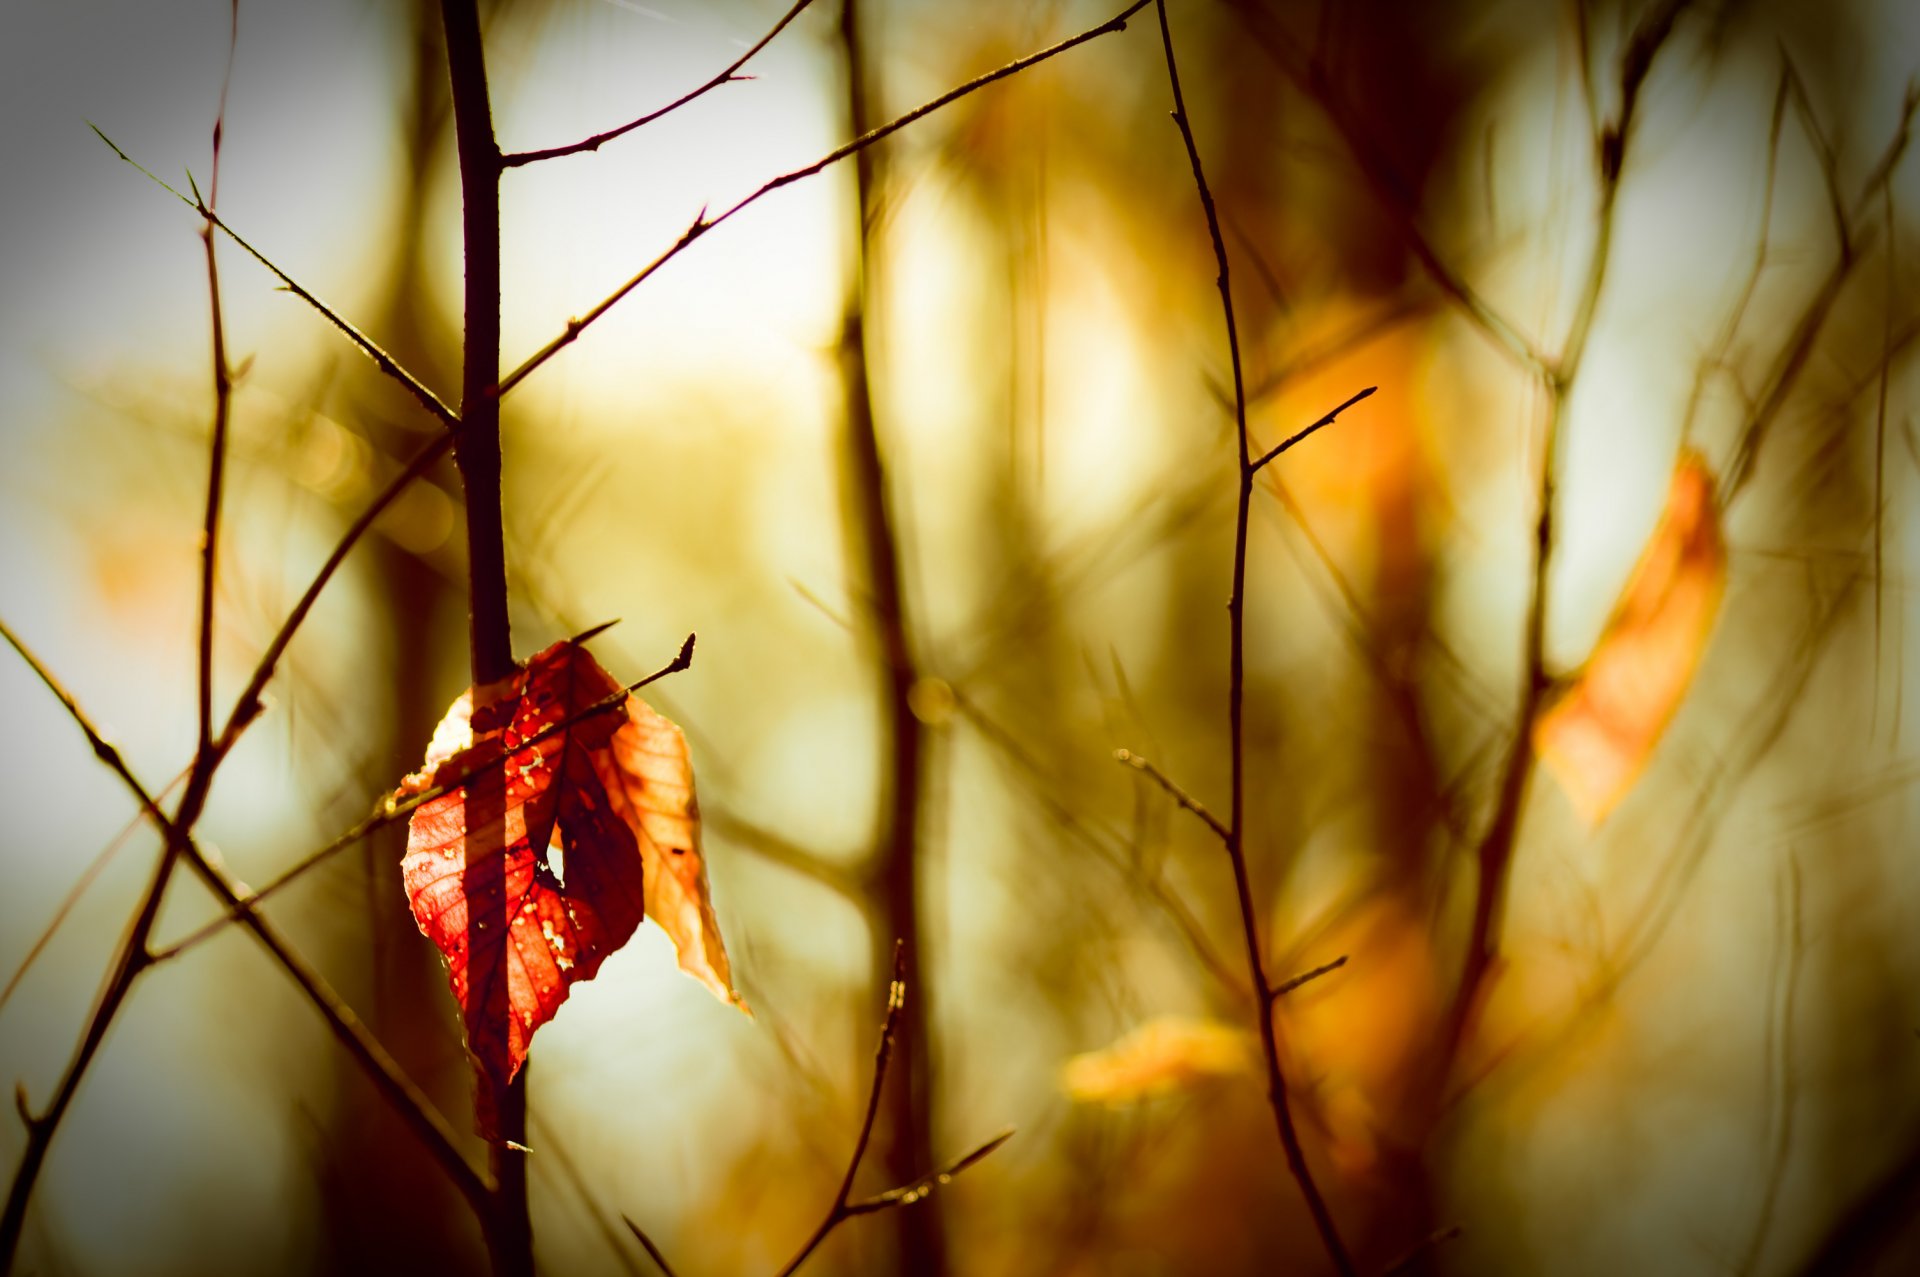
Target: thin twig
(222,404)
(1287,986)
(906,1194)
(702,223)
(1180,796)
(1236,696)
(387,363)
(1798,349)
(515,159)
(1327,420)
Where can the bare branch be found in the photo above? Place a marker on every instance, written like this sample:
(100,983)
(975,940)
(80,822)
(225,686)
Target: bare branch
(702,223)
(386,362)
(1279,448)
(515,159)
(1128,758)
(906,1194)
(1236,694)
(1287,986)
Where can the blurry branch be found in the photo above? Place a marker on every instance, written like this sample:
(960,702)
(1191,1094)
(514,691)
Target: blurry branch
(1777,1077)
(1416,1256)
(1040,786)
(1236,692)
(646,1244)
(1796,92)
(1495,852)
(906,1194)
(515,159)
(1798,348)
(777,849)
(702,223)
(1752,738)
(391,810)
(1720,359)
(1310,75)
(1359,625)
(1101,554)
(876,548)
(1127,758)
(1878,1217)
(386,362)
(1880,460)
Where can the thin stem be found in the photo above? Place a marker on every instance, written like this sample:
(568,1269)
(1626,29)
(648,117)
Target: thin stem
(702,223)
(386,362)
(1236,696)
(1274,452)
(1181,798)
(515,159)
(222,403)
(1287,986)
(882,1055)
(1799,347)
(907,1194)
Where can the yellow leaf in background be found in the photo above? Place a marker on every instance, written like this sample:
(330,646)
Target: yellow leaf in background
(1162,1055)
(1597,735)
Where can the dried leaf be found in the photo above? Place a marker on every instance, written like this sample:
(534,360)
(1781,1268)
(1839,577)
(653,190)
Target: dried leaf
(1165,1054)
(1597,735)
(565,827)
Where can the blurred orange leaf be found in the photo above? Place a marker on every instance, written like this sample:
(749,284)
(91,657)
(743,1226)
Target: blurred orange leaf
(1162,1055)
(1597,735)
(567,823)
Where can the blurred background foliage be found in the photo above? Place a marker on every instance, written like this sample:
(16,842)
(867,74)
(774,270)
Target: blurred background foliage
(1696,1051)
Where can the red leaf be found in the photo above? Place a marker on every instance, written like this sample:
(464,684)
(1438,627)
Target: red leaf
(565,819)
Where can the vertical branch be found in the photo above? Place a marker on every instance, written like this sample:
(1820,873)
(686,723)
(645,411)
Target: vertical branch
(903,759)
(1496,848)
(509,1228)
(1236,697)
(222,400)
